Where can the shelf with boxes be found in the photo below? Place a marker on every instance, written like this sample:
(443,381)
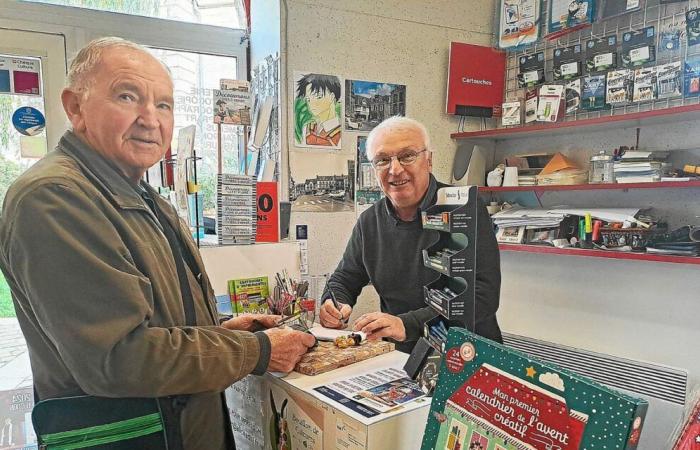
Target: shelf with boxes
(594,253)
(610,120)
(590,187)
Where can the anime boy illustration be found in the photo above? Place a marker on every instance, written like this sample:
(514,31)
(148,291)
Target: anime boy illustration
(317,111)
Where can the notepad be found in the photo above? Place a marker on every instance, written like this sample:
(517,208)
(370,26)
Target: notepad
(329,334)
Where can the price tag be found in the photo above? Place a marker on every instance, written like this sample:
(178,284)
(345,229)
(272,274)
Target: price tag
(569,69)
(531,76)
(605,59)
(640,54)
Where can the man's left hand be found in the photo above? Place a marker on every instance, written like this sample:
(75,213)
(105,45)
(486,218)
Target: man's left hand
(251,322)
(377,325)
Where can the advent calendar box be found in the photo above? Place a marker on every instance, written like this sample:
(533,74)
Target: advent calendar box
(490,397)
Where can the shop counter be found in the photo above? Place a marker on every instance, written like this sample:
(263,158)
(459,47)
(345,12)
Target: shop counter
(297,411)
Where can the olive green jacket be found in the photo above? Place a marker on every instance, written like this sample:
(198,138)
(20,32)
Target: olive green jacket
(97,296)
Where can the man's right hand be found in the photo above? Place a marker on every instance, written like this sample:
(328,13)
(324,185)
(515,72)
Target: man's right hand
(332,318)
(287,348)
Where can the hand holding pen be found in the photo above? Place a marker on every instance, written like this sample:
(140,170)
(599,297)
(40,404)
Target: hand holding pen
(334,314)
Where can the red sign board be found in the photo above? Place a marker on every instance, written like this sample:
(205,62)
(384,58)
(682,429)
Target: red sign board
(268,229)
(476,77)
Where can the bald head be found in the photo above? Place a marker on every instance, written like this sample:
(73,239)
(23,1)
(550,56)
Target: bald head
(396,125)
(83,67)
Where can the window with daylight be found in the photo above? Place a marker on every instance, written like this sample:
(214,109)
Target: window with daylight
(223,13)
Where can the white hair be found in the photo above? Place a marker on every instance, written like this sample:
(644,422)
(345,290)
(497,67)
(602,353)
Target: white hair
(397,123)
(88,57)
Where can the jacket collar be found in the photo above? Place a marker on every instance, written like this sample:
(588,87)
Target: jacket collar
(122,191)
(427,201)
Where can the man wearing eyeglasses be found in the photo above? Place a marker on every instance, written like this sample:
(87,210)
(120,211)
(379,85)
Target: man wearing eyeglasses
(386,243)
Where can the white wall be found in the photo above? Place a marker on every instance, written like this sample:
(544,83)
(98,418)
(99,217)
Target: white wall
(635,309)
(396,41)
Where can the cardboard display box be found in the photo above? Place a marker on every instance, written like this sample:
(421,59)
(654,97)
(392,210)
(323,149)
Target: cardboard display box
(490,397)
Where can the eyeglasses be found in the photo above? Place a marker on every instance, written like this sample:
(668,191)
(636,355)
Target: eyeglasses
(405,159)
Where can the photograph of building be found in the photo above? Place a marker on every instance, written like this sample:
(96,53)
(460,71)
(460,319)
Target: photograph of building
(367,103)
(331,190)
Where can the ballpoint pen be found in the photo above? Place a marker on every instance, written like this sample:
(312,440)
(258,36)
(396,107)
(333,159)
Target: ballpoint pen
(336,304)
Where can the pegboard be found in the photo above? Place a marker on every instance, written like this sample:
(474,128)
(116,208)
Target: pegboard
(651,12)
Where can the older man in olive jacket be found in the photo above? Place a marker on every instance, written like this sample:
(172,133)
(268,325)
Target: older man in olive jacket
(92,254)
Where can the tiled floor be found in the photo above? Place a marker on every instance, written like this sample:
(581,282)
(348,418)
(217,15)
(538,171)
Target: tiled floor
(15,371)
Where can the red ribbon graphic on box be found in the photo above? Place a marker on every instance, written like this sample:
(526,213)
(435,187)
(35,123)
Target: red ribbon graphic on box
(529,414)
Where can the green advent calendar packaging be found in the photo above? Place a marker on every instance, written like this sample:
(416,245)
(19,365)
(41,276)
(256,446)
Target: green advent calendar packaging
(490,397)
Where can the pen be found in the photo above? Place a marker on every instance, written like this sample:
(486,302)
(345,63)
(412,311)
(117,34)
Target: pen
(336,305)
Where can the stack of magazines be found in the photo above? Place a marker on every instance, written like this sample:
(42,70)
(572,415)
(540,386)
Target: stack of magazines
(236,212)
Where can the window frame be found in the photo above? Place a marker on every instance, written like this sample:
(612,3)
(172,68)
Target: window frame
(81,25)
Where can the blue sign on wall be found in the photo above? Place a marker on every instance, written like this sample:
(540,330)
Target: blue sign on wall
(28,121)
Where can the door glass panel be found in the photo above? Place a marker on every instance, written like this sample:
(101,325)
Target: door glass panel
(21,88)
(195,75)
(18,150)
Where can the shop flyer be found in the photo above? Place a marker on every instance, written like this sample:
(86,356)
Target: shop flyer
(375,392)
(489,396)
(519,21)
(565,14)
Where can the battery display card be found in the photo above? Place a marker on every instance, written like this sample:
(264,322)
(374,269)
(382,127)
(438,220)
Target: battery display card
(593,92)
(531,70)
(619,87)
(601,54)
(565,14)
(645,84)
(567,62)
(519,23)
(638,47)
(669,80)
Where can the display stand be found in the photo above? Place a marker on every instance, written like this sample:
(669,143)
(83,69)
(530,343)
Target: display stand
(452,294)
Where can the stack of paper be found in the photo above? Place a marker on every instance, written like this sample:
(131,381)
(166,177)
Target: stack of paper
(640,167)
(549,218)
(527,217)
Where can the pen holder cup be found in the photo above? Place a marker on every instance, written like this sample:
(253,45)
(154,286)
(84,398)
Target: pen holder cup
(308,309)
(285,305)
